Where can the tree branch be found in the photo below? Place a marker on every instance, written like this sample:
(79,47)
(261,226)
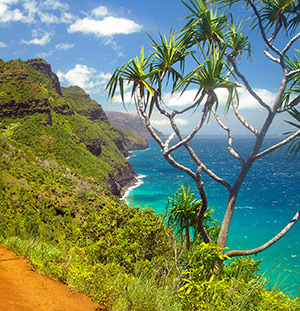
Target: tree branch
(271,57)
(262,30)
(287,47)
(293,73)
(230,138)
(291,105)
(247,85)
(277,146)
(242,120)
(257,250)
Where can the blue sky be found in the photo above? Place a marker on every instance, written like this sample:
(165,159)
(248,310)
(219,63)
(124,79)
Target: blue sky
(84,41)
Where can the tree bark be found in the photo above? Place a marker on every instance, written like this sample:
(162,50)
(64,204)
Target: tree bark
(257,250)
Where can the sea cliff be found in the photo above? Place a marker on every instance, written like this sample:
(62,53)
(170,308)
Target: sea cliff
(64,124)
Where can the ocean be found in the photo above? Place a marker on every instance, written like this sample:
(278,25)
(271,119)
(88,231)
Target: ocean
(268,199)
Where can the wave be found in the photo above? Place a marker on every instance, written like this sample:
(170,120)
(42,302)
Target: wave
(244,207)
(133,151)
(139,181)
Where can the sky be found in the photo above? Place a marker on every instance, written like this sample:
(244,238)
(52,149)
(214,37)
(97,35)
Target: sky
(85,41)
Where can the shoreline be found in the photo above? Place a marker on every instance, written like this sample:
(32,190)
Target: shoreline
(137,181)
(133,185)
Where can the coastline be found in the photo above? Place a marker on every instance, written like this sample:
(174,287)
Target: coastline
(132,185)
(136,181)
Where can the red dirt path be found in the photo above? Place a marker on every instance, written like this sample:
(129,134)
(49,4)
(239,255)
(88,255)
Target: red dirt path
(22,289)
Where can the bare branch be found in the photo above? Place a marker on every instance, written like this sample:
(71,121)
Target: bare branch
(194,131)
(262,30)
(249,88)
(168,141)
(271,57)
(200,164)
(242,120)
(230,138)
(179,166)
(257,250)
(293,73)
(139,102)
(163,146)
(291,105)
(277,146)
(197,103)
(266,51)
(287,47)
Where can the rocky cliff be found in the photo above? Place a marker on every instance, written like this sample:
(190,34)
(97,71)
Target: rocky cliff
(129,122)
(63,125)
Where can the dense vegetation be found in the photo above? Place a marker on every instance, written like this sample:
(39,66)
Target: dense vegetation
(63,124)
(57,166)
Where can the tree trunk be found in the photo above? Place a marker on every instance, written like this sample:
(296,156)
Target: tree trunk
(223,235)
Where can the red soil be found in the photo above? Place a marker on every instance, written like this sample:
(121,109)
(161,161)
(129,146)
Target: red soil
(22,289)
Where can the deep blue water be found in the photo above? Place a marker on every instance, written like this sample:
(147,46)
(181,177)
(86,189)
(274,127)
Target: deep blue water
(268,200)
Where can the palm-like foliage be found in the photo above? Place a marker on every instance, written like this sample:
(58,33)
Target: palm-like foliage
(237,42)
(210,75)
(150,71)
(275,12)
(168,52)
(205,24)
(292,96)
(136,71)
(182,211)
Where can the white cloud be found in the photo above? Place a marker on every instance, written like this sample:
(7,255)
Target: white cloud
(180,121)
(44,54)
(66,18)
(64,46)
(127,97)
(107,27)
(54,5)
(100,11)
(7,14)
(104,77)
(48,18)
(30,11)
(176,99)
(46,37)
(246,101)
(3,45)
(84,77)
(165,122)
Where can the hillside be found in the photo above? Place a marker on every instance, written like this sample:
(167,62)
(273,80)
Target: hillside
(129,122)
(63,125)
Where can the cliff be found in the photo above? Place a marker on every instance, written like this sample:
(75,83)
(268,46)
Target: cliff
(63,125)
(84,105)
(129,122)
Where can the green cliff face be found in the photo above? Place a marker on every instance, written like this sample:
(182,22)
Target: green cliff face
(63,125)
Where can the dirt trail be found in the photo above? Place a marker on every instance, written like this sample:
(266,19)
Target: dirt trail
(22,289)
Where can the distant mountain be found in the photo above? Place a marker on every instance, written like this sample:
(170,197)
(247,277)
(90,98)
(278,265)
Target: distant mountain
(129,122)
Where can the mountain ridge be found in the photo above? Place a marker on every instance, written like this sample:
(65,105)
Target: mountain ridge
(64,124)
(129,122)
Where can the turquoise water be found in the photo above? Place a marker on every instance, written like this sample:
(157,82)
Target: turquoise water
(268,200)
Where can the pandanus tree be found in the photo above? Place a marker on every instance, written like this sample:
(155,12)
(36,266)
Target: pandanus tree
(215,44)
(182,210)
